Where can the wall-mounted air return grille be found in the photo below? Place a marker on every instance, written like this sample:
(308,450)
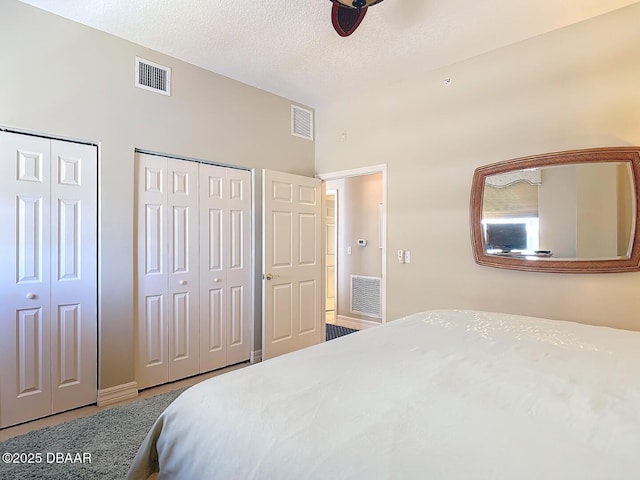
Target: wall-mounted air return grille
(153,77)
(301,122)
(365,295)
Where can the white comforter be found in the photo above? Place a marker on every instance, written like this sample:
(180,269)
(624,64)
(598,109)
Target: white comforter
(437,395)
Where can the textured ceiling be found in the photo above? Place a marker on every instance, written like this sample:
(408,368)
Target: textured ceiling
(289,47)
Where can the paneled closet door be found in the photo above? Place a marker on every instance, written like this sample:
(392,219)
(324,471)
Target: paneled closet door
(183,268)
(225,268)
(25,294)
(238,265)
(167,270)
(74,275)
(151,333)
(48,276)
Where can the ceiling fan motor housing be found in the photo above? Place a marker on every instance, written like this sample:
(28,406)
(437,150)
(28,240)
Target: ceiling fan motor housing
(357,4)
(346,15)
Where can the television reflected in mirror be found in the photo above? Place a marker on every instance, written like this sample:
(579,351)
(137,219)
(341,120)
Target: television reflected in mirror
(561,212)
(506,237)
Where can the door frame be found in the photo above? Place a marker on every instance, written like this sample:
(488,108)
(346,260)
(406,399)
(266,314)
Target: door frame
(357,172)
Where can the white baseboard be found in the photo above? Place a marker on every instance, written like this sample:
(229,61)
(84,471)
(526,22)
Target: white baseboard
(119,393)
(256,356)
(355,323)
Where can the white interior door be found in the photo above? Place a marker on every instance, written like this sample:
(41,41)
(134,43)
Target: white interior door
(292,313)
(238,258)
(194,268)
(74,275)
(183,269)
(48,277)
(168,255)
(151,334)
(25,294)
(225,267)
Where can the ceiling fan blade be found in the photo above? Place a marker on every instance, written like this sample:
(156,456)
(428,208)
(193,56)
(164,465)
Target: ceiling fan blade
(345,20)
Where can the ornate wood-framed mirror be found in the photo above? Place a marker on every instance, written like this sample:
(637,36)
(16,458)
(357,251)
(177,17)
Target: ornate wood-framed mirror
(566,212)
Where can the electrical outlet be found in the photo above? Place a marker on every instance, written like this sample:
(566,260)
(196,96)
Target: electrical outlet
(349,250)
(400,256)
(407,256)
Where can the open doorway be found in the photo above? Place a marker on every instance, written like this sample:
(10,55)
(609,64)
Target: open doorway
(355,251)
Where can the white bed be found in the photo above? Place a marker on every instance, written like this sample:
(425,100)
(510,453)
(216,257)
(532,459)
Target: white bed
(440,395)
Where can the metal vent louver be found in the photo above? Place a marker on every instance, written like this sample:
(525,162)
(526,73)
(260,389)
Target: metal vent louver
(301,122)
(153,77)
(365,295)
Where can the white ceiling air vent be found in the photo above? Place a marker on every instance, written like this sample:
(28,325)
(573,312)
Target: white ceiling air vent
(301,122)
(153,77)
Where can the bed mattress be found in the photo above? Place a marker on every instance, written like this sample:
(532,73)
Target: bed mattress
(446,394)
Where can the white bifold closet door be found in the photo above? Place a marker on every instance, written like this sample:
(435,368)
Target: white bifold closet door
(193,262)
(225,266)
(167,333)
(48,276)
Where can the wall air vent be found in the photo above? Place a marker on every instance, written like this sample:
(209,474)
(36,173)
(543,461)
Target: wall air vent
(301,122)
(365,295)
(153,77)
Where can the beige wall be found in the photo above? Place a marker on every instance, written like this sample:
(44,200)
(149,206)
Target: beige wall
(63,79)
(597,211)
(574,88)
(584,210)
(558,211)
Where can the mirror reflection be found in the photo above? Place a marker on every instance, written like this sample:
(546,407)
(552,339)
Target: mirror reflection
(569,212)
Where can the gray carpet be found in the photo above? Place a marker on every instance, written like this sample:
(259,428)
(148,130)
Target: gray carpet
(111,437)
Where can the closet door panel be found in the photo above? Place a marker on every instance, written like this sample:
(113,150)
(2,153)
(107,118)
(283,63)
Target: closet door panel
(151,333)
(25,392)
(237,293)
(238,266)
(213,285)
(213,324)
(74,285)
(183,263)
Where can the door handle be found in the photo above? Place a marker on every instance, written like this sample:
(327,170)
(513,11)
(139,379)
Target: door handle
(31,296)
(270,276)
(182,282)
